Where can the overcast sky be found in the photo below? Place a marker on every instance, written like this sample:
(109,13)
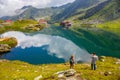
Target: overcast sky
(7,7)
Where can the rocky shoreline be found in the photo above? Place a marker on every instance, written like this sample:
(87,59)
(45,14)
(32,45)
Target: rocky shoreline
(6,44)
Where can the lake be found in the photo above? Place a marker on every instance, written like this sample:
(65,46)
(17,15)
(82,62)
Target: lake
(56,45)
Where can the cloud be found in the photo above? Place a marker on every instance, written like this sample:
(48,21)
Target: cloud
(58,46)
(7,7)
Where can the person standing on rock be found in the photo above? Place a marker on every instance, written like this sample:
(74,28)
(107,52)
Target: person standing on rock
(93,61)
(71,62)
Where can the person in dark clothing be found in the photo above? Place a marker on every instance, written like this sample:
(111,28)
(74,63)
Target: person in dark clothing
(93,61)
(71,62)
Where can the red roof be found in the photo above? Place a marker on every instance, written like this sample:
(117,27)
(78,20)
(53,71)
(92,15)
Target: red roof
(42,21)
(8,20)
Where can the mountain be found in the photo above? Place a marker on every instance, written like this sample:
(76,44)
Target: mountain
(30,12)
(91,11)
(75,7)
(104,11)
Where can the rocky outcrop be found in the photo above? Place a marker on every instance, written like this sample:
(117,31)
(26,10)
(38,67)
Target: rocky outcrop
(4,48)
(6,44)
(36,27)
(68,75)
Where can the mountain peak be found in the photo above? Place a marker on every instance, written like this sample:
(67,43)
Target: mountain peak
(24,7)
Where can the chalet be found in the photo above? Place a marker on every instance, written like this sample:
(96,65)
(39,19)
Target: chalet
(42,21)
(8,21)
(65,24)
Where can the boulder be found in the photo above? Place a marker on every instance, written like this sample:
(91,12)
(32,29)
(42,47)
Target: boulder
(118,61)
(102,58)
(7,43)
(4,48)
(107,73)
(66,73)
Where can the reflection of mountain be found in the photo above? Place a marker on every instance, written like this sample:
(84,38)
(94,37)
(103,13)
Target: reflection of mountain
(54,47)
(94,40)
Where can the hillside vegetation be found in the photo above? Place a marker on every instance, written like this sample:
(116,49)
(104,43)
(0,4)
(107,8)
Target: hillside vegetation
(26,25)
(112,26)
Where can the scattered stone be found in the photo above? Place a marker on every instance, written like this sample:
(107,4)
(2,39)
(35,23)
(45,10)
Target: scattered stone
(4,48)
(102,58)
(38,77)
(118,61)
(118,68)
(3,60)
(66,73)
(107,73)
(35,71)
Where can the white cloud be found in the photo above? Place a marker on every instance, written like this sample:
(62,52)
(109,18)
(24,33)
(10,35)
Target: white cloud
(61,47)
(7,7)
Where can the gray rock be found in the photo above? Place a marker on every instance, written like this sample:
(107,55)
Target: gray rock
(4,48)
(118,61)
(107,73)
(66,73)
(102,58)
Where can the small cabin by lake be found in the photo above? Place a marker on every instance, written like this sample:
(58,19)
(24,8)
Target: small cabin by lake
(43,22)
(65,24)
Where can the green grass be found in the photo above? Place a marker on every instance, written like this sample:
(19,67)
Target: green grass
(12,42)
(112,26)
(18,25)
(16,70)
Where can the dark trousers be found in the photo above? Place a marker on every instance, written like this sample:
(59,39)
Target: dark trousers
(93,66)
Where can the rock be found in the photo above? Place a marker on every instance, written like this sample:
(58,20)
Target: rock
(118,61)
(70,72)
(3,60)
(8,44)
(36,27)
(118,68)
(102,58)
(66,73)
(38,77)
(107,73)
(4,48)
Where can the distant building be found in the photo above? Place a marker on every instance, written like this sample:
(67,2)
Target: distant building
(8,21)
(65,24)
(42,21)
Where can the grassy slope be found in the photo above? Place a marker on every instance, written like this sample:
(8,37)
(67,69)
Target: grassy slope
(17,26)
(12,42)
(16,70)
(112,26)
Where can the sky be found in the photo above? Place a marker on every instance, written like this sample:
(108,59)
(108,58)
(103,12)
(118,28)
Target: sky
(8,7)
